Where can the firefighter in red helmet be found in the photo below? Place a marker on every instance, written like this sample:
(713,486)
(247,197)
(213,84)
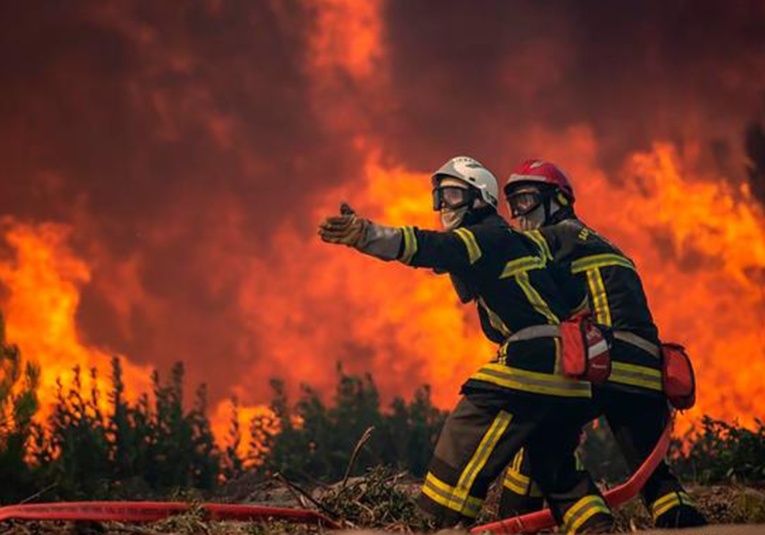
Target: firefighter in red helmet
(541,198)
(521,396)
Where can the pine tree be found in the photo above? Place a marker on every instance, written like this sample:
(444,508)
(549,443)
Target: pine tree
(18,405)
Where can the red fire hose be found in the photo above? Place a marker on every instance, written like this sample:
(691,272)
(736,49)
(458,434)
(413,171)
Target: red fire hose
(539,520)
(153,511)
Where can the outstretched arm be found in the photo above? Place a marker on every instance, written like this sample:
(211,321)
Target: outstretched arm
(361,234)
(454,251)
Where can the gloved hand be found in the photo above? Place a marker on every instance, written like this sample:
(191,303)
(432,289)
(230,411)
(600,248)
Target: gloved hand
(346,229)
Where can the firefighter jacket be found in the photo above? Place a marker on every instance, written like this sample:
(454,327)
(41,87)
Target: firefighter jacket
(587,265)
(505,274)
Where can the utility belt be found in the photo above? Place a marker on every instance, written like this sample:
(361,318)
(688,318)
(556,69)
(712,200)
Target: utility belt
(586,355)
(677,376)
(585,346)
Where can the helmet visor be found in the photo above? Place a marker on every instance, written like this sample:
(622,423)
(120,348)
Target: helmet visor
(451,197)
(523,202)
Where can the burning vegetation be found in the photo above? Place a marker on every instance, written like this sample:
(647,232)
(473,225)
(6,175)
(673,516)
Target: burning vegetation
(163,170)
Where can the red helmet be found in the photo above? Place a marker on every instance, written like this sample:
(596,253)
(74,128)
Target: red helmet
(541,172)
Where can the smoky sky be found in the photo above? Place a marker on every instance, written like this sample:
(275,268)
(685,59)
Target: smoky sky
(143,123)
(634,71)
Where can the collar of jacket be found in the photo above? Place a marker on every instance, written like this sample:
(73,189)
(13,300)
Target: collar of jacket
(480,215)
(565,212)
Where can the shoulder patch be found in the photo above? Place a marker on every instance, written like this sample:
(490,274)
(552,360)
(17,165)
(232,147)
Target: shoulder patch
(583,234)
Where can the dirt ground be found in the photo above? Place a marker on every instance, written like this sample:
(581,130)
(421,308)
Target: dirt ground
(731,510)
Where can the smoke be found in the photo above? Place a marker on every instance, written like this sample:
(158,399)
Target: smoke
(190,150)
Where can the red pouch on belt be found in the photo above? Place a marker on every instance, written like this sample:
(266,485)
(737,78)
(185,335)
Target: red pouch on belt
(586,351)
(678,377)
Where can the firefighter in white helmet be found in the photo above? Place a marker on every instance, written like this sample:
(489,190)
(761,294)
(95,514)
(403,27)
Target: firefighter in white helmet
(521,396)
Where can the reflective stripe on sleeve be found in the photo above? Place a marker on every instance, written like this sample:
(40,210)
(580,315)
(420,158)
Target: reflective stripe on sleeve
(410,245)
(474,251)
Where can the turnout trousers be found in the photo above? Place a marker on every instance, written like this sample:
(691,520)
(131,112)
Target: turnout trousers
(482,435)
(637,421)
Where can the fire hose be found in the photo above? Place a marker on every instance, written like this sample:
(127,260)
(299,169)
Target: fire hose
(154,511)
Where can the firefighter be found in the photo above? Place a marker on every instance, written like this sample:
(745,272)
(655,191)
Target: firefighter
(541,198)
(518,397)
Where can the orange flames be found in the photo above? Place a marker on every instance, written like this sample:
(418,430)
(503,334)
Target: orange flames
(294,306)
(699,246)
(43,280)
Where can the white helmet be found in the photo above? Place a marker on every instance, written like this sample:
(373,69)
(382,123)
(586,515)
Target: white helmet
(474,174)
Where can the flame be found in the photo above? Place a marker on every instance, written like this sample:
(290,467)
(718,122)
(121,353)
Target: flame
(43,279)
(291,306)
(707,281)
(251,443)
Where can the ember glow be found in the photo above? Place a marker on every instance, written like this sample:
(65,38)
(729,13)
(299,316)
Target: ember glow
(164,169)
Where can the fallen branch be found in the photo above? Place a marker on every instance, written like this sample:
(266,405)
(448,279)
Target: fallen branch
(360,444)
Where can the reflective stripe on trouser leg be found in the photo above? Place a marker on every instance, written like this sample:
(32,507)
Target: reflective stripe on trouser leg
(458,497)
(573,497)
(577,516)
(517,477)
(670,501)
(519,493)
(474,446)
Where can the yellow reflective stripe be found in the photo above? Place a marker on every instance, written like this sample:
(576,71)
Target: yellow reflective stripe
(535,299)
(600,260)
(474,251)
(599,297)
(582,511)
(410,245)
(516,482)
(450,497)
(671,499)
(494,319)
(484,451)
(664,504)
(668,501)
(522,265)
(518,460)
(541,243)
(634,375)
(534,382)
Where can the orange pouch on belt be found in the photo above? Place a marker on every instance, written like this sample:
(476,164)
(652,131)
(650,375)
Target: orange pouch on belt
(586,350)
(678,377)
